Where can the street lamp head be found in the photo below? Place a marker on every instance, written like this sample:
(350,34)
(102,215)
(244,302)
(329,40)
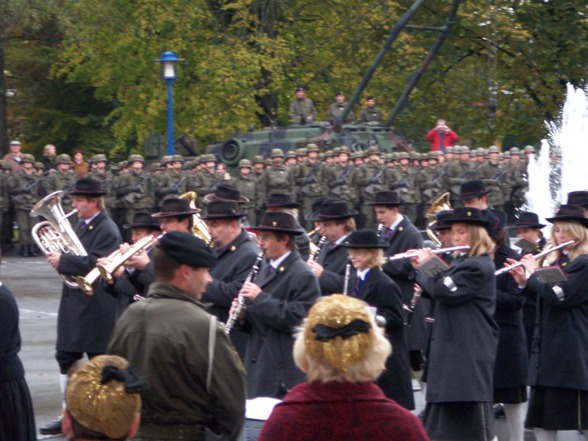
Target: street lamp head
(168,62)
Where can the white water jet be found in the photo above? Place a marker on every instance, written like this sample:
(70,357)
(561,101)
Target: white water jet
(550,181)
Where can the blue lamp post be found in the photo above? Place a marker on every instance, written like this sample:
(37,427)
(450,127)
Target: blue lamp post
(168,62)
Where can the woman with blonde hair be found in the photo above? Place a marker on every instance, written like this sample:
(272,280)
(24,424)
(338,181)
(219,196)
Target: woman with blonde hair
(558,373)
(342,351)
(464,335)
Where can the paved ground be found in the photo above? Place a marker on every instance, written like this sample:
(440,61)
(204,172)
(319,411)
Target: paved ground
(37,290)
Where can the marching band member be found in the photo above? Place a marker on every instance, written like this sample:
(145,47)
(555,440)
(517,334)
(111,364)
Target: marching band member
(464,335)
(371,285)
(558,372)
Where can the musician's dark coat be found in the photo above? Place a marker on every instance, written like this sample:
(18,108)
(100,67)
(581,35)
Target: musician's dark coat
(407,237)
(559,356)
(380,291)
(511,357)
(271,320)
(465,335)
(334,260)
(84,323)
(233,265)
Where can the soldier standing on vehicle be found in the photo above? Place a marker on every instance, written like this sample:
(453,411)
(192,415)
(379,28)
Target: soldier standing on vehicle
(302,109)
(370,114)
(336,109)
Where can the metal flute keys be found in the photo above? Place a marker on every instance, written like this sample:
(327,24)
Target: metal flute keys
(536,257)
(409,254)
(240,300)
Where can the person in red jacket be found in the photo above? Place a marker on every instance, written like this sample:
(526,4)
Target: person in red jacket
(441,136)
(342,351)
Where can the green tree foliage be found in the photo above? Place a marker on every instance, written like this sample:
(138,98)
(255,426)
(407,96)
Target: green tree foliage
(501,72)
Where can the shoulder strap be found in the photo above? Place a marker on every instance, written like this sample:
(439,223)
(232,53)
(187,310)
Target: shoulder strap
(211,344)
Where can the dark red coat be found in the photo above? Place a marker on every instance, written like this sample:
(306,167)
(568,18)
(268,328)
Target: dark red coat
(335,411)
(434,138)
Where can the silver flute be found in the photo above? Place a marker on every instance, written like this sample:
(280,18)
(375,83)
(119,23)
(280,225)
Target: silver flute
(410,254)
(240,300)
(536,257)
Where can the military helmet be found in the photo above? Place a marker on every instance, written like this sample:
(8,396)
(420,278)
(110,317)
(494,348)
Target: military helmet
(389,157)
(134,158)
(268,161)
(277,152)
(63,159)
(123,164)
(176,158)
(514,151)
(40,165)
(289,154)
(166,160)
(493,149)
(396,156)
(312,147)
(507,154)
(480,151)
(258,159)
(336,151)
(501,155)
(27,157)
(328,154)
(208,158)
(344,149)
(529,149)
(373,150)
(464,149)
(101,157)
(403,155)
(155,166)
(245,163)
(321,156)
(449,149)
(433,155)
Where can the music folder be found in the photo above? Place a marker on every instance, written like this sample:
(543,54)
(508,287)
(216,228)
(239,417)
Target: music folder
(550,274)
(433,266)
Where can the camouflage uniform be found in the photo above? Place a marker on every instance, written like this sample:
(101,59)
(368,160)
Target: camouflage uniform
(64,181)
(204,182)
(136,191)
(278,179)
(429,184)
(494,176)
(458,172)
(300,109)
(340,179)
(311,184)
(370,178)
(106,180)
(370,115)
(335,111)
(403,180)
(247,186)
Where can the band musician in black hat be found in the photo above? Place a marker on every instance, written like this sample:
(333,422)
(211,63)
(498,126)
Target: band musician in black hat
(275,304)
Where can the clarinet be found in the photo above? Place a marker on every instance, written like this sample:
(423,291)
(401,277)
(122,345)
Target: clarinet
(320,247)
(380,229)
(240,300)
(347,274)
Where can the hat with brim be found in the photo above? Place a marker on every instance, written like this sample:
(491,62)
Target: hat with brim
(277,222)
(383,198)
(468,215)
(332,210)
(174,207)
(367,239)
(579,198)
(441,220)
(314,208)
(527,219)
(279,200)
(472,189)
(223,210)
(143,220)
(569,213)
(497,219)
(88,187)
(225,192)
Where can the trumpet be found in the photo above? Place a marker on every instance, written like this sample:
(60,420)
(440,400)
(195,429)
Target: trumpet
(411,254)
(240,301)
(536,257)
(106,268)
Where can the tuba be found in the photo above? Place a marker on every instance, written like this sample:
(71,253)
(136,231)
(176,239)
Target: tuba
(199,229)
(55,233)
(440,204)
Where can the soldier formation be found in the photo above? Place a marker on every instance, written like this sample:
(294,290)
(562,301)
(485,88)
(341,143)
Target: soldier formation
(305,174)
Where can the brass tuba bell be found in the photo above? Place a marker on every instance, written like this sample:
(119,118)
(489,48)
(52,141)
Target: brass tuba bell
(199,229)
(440,204)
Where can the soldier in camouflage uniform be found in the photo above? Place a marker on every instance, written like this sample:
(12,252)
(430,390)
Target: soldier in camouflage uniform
(459,171)
(173,182)
(336,109)
(494,176)
(63,178)
(429,183)
(340,179)
(370,114)
(370,179)
(247,186)
(26,190)
(302,109)
(517,176)
(311,183)
(99,173)
(207,180)
(277,179)
(402,179)
(136,190)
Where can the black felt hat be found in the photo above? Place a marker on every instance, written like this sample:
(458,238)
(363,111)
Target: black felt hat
(569,213)
(187,249)
(387,197)
(225,192)
(88,187)
(143,220)
(497,219)
(277,222)
(223,210)
(468,215)
(528,219)
(315,207)
(364,239)
(472,189)
(579,198)
(441,220)
(280,200)
(174,207)
(332,209)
